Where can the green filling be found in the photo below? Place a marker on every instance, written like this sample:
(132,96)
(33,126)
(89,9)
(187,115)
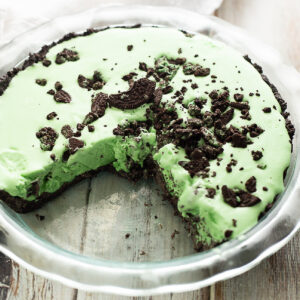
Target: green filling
(25,105)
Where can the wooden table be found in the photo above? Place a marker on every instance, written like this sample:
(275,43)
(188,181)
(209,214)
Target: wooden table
(278,277)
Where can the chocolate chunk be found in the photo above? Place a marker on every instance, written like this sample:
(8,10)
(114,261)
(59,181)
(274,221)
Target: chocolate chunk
(195,69)
(247,199)
(66,55)
(80,126)
(52,115)
(141,92)
(251,184)
(239,105)
(91,128)
(51,92)
(129,47)
(234,222)
(157,96)
(265,189)
(208,137)
(143,66)
(75,144)
(177,61)
(267,109)
(58,86)
(67,131)
(211,192)
(95,83)
(229,196)
(62,96)
(89,118)
(255,130)
(228,233)
(47,137)
(211,152)
(77,134)
(201,72)
(220,104)
(194,86)
(41,82)
(52,156)
(238,97)
(194,166)
(197,154)
(214,95)
(99,104)
(168,89)
(257,155)
(227,116)
(238,140)
(129,76)
(46,62)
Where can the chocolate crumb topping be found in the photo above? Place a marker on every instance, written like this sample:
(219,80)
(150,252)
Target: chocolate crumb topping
(141,92)
(129,76)
(46,63)
(75,144)
(66,55)
(238,140)
(247,199)
(67,131)
(267,109)
(195,166)
(58,86)
(62,96)
(238,97)
(52,115)
(228,233)
(229,196)
(257,155)
(94,83)
(80,126)
(91,128)
(99,104)
(254,130)
(211,192)
(41,82)
(143,66)
(251,184)
(51,92)
(240,105)
(47,137)
(129,47)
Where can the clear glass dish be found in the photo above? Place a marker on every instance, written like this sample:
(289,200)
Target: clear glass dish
(82,241)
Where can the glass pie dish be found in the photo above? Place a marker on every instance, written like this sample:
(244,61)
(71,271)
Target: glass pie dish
(108,235)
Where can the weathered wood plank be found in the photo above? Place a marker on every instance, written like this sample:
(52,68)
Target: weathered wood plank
(5,275)
(275,278)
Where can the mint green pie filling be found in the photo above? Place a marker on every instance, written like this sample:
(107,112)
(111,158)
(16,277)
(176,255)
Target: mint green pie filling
(25,105)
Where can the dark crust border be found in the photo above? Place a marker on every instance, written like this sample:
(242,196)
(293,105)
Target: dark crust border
(23,206)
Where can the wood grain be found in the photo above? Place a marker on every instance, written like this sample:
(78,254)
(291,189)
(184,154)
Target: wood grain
(277,23)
